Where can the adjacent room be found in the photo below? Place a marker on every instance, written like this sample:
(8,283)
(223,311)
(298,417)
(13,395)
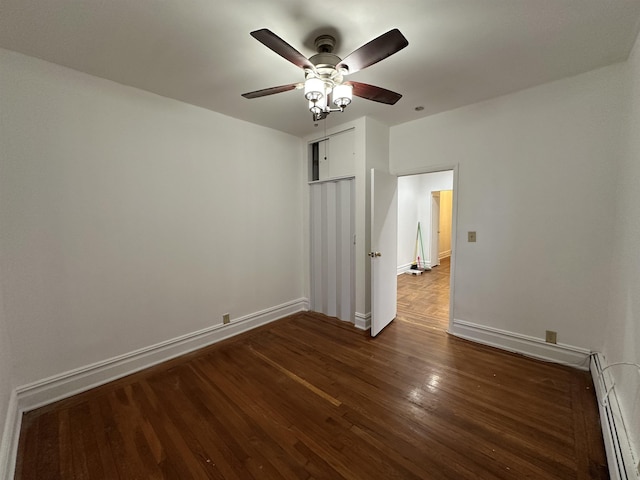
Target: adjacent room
(342,240)
(425,220)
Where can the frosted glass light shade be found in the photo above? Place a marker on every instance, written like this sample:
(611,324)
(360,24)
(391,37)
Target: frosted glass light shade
(313,88)
(318,106)
(342,95)
(315,108)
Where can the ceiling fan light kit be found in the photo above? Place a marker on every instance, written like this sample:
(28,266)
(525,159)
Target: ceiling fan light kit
(314,89)
(319,88)
(324,84)
(342,95)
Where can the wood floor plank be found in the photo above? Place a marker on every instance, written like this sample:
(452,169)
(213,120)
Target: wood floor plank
(204,412)
(29,439)
(181,451)
(137,461)
(268,416)
(311,397)
(83,444)
(64,447)
(48,454)
(107,459)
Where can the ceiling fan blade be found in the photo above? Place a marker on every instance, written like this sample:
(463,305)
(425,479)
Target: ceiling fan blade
(282,48)
(270,91)
(377,94)
(377,49)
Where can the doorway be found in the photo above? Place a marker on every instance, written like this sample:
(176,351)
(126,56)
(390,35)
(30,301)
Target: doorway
(424,294)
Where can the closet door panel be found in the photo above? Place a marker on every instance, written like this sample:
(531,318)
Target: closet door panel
(332,248)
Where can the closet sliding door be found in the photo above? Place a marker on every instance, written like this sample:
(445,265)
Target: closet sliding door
(332,248)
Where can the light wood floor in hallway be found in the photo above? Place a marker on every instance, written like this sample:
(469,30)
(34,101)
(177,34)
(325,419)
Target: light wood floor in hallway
(426,296)
(310,397)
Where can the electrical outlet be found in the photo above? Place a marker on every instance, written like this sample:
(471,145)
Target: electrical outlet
(225,318)
(551,336)
(471,236)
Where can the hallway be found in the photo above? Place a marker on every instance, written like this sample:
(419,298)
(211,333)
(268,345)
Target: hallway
(425,298)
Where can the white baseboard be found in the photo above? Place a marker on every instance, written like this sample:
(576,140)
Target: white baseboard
(10,437)
(363,321)
(622,465)
(445,254)
(69,383)
(406,268)
(523,344)
(403,268)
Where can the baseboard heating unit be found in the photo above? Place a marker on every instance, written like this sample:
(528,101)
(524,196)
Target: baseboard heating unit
(622,464)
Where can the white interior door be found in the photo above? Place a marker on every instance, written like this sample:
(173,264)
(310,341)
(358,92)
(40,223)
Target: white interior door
(384,237)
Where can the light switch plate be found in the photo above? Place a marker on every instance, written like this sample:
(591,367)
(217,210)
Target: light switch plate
(471,236)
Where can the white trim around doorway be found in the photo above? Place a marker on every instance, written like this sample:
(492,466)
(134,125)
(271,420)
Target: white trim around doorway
(454,219)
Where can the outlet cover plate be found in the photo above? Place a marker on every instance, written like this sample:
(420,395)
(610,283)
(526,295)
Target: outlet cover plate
(551,336)
(225,318)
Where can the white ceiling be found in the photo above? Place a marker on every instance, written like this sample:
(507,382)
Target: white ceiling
(200,51)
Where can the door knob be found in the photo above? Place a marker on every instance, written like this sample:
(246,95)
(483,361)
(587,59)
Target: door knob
(375,254)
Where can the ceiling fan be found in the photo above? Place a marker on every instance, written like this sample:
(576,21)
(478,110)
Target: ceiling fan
(325,71)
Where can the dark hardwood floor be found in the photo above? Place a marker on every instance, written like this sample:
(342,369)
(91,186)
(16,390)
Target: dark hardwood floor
(310,397)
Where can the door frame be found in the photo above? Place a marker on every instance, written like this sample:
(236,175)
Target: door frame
(454,222)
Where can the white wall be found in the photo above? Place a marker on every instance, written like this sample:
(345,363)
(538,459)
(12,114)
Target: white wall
(410,198)
(622,335)
(129,219)
(414,205)
(536,179)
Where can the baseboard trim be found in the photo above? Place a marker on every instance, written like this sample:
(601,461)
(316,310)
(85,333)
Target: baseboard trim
(69,383)
(614,433)
(445,254)
(403,268)
(10,438)
(529,346)
(407,268)
(363,321)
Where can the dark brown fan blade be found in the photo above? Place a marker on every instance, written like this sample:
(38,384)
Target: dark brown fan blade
(377,94)
(377,49)
(282,48)
(270,91)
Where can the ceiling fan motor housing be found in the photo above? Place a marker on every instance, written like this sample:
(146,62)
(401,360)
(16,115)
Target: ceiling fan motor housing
(325,62)
(324,44)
